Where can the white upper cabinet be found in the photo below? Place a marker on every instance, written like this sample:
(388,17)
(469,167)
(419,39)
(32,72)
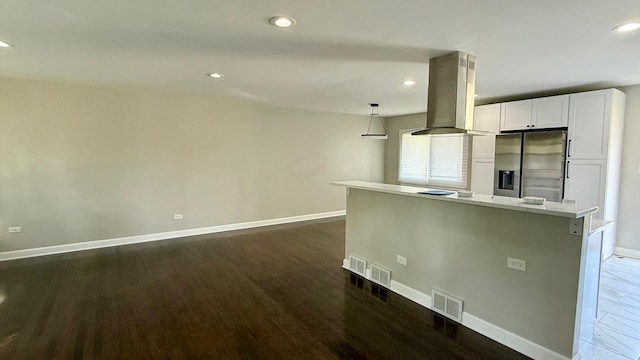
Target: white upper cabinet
(541,113)
(486,118)
(550,112)
(589,120)
(516,115)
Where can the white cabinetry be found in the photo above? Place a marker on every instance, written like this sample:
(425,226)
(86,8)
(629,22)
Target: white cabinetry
(589,123)
(485,118)
(482,176)
(594,149)
(516,115)
(550,112)
(541,113)
(585,182)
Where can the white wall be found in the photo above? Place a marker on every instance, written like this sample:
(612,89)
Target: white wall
(81,163)
(628,233)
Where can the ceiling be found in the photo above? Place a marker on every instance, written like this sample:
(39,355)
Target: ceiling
(341,55)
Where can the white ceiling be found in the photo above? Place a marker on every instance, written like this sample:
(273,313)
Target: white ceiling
(342,55)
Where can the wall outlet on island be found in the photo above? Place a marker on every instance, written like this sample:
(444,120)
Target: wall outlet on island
(177,216)
(15,229)
(401,260)
(516,264)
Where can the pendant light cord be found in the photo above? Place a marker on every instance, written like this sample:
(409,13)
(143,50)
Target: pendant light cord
(370,120)
(374,111)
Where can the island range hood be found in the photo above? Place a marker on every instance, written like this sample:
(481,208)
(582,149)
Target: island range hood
(450,95)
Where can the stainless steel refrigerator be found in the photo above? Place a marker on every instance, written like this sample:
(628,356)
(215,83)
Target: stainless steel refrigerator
(530,164)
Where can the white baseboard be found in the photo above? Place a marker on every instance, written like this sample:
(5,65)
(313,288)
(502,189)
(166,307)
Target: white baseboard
(626,252)
(510,339)
(411,294)
(97,244)
(485,328)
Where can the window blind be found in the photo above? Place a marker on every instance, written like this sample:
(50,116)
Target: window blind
(414,154)
(434,160)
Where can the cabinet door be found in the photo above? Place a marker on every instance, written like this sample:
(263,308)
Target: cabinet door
(486,118)
(550,112)
(589,117)
(482,176)
(516,115)
(585,183)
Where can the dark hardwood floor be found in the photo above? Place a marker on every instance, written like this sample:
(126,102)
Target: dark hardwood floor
(269,293)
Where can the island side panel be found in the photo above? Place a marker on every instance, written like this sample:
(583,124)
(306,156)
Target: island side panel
(589,286)
(462,250)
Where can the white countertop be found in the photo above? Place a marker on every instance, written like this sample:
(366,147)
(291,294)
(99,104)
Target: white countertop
(502,202)
(599,225)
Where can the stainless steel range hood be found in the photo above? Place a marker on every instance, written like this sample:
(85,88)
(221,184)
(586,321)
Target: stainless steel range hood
(450,94)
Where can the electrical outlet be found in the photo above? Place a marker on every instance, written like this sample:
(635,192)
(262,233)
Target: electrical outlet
(401,260)
(516,264)
(177,216)
(15,229)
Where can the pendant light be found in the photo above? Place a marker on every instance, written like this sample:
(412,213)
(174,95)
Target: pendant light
(369,135)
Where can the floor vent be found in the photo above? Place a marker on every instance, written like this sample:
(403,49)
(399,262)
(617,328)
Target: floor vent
(446,305)
(358,265)
(381,275)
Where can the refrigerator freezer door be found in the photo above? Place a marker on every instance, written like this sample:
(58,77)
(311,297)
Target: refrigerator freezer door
(506,179)
(543,163)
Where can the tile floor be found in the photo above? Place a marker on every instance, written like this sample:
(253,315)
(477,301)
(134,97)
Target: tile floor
(617,332)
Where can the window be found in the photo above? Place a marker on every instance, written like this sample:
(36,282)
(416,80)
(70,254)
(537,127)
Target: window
(434,160)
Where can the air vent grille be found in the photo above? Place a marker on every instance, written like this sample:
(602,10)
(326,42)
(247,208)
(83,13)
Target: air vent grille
(439,302)
(472,65)
(357,265)
(452,308)
(381,275)
(447,305)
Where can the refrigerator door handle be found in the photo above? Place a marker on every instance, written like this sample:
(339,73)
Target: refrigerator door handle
(569,149)
(568,166)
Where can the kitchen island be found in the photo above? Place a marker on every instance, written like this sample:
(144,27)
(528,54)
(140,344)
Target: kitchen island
(460,246)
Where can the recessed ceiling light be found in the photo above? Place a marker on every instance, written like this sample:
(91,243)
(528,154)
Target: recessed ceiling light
(408,82)
(214,75)
(5,45)
(282,21)
(627,27)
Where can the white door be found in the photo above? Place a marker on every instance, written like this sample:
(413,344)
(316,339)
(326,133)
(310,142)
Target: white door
(516,115)
(482,176)
(589,117)
(486,118)
(550,112)
(585,183)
